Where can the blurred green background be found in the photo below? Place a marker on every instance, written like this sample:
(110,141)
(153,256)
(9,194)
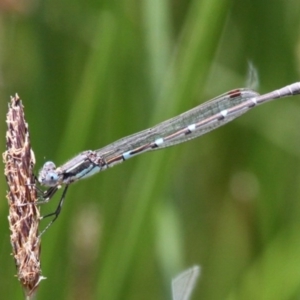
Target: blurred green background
(91,72)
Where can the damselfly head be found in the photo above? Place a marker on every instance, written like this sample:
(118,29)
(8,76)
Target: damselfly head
(48,175)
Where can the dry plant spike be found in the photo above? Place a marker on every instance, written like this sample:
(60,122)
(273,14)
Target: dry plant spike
(24,215)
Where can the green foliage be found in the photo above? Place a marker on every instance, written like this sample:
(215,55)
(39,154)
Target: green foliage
(92,72)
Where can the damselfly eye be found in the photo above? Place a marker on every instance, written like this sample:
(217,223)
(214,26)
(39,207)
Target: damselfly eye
(48,176)
(51,177)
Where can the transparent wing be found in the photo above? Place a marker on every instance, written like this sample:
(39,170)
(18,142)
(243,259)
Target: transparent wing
(172,125)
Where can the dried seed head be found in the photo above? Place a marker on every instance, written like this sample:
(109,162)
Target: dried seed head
(24,215)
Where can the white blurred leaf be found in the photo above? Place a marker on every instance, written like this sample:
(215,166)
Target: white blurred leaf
(184,283)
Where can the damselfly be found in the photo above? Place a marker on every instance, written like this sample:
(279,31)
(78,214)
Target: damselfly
(191,124)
